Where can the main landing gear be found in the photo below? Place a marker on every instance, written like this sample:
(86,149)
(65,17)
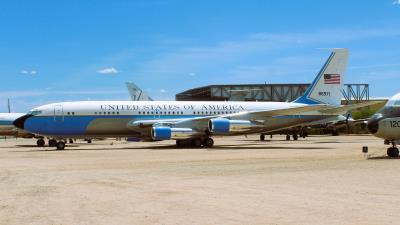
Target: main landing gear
(393,151)
(60,145)
(196,143)
(40,143)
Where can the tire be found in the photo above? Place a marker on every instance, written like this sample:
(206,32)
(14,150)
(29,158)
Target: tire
(60,145)
(179,144)
(71,141)
(40,143)
(393,152)
(262,137)
(89,141)
(295,137)
(208,143)
(52,143)
(288,137)
(196,143)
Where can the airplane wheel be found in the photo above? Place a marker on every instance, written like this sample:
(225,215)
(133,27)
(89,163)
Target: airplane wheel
(208,143)
(40,143)
(179,144)
(393,152)
(288,137)
(196,143)
(52,143)
(295,137)
(60,145)
(262,137)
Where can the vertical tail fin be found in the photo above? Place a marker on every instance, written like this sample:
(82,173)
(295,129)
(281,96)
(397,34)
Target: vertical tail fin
(327,86)
(136,93)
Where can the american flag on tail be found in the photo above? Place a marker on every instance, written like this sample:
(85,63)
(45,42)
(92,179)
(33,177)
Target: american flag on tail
(332,78)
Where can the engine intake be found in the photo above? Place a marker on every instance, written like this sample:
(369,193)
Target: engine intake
(172,133)
(225,126)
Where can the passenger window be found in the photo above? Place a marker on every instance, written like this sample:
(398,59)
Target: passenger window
(73,113)
(68,113)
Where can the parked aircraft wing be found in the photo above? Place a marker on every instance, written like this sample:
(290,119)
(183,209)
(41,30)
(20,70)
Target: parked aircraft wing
(260,115)
(344,108)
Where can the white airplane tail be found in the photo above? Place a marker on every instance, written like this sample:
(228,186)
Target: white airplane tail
(328,85)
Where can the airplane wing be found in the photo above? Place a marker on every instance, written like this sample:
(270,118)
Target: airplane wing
(344,108)
(202,121)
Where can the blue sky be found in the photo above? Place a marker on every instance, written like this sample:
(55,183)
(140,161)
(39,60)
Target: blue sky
(54,51)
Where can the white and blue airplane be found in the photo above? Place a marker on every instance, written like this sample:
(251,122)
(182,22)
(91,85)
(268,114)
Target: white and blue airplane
(191,122)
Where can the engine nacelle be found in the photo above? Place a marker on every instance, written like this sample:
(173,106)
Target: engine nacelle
(225,126)
(172,133)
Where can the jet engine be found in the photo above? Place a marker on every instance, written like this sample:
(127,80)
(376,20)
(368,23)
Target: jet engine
(172,133)
(226,126)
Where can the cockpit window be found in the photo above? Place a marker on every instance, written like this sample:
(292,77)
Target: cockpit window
(35,112)
(397,103)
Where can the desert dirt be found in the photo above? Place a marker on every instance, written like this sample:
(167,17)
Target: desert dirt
(317,180)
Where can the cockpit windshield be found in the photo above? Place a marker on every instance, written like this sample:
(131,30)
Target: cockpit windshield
(35,112)
(394,101)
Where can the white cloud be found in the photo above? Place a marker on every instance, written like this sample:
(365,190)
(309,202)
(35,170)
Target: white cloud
(192,74)
(163,91)
(28,72)
(110,70)
(397,2)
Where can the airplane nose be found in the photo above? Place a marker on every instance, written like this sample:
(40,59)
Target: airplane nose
(20,122)
(373,126)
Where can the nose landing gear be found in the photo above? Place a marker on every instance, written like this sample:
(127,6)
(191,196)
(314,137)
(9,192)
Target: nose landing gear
(393,151)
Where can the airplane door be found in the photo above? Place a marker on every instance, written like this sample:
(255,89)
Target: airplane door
(58,113)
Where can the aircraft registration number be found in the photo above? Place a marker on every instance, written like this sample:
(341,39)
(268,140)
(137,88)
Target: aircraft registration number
(324,93)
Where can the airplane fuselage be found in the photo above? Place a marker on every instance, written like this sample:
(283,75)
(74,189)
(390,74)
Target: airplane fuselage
(112,118)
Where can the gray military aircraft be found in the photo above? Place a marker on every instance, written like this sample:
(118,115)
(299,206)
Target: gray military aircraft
(385,124)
